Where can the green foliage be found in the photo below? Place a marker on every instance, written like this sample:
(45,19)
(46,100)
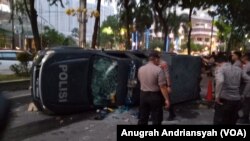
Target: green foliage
(52,38)
(156,43)
(144,17)
(114,37)
(24,57)
(235,38)
(69,41)
(127,7)
(22,69)
(194,47)
(224,29)
(11,77)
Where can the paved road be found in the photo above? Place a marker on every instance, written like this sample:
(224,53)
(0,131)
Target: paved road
(29,126)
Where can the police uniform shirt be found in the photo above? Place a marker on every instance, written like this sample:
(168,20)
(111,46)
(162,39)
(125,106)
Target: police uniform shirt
(228,79)
(237,63)
(151,77)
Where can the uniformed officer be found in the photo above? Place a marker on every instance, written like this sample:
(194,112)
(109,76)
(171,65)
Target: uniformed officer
(165,67)
(228,80)
(153,91)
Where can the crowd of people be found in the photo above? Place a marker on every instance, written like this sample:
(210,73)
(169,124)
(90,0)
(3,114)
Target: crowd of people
(232,88)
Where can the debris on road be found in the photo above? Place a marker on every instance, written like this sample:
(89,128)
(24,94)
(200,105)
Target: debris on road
(32,107)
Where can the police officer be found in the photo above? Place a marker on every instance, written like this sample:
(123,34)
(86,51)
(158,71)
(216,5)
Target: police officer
(164,66)
(153,91)
(227,103)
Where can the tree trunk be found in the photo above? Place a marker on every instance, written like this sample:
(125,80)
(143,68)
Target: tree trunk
(127,24)
(96,26)
(228,51)
(190,30)
(35,31)
(12,23)
(164,25)
(33,20)
(84,23)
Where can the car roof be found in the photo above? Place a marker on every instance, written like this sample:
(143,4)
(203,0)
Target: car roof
(11,51)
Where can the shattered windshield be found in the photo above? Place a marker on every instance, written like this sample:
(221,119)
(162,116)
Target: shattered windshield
(104,81)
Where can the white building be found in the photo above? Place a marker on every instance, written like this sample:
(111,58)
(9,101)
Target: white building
(202,30)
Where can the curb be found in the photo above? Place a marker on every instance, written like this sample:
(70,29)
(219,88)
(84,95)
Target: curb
(14,85)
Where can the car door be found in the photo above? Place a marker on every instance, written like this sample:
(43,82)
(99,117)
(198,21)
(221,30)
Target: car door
(6,60)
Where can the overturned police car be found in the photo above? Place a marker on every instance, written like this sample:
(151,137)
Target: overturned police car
(69,80)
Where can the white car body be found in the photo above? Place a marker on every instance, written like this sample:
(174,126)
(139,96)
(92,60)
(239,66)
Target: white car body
(8,58)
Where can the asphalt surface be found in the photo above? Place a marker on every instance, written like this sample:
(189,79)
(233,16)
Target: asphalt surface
(36,126)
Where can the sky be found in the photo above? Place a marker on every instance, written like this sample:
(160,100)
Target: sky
(113,4)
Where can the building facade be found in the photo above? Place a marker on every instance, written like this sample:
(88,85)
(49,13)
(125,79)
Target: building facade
(202,31)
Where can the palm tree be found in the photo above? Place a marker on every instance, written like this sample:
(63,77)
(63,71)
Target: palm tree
(143,17)
(191,5)
(162,13)
(127,11)
(97,22)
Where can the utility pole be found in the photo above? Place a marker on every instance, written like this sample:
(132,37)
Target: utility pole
(82,24)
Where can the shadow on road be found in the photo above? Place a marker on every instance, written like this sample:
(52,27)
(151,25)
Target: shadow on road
(39,127)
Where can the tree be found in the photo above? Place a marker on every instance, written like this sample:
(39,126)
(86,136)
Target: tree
(191,5)
(110,31)
(127,11)
(32,14)
(143,16)
(75,32)
(97,22)
(176,21)
(163,9)
(69,41)
(236,15)
(52,38)
(194,47)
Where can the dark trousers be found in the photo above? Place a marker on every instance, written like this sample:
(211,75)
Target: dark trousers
(246,108)
(151,104)
(226,113)
(171,111)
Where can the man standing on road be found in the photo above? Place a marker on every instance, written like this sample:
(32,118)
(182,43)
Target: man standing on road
(153,91)
(227,103)
(164,66)
(246,92)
